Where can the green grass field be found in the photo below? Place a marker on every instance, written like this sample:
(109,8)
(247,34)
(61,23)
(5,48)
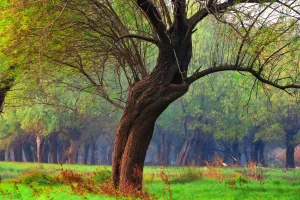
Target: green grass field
(37,181)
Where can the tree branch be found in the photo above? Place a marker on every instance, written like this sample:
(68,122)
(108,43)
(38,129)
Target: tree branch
(141,37)
(165,12)
(257,75)
(154,17)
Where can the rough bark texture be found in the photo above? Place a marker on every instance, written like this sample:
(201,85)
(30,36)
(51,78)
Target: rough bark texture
(147,99)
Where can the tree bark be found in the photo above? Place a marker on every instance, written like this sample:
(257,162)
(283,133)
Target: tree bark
(86,153)
(147,99)
(53,148)
(135,131)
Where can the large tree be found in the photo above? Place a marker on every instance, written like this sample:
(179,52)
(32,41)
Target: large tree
(169,80)
(111,45)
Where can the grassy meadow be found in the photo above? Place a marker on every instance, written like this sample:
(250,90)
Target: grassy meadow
(75,182)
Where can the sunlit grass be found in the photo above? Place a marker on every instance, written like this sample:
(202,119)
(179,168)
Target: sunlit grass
(183,183)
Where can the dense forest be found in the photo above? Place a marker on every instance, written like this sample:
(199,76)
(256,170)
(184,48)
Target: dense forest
(128,83)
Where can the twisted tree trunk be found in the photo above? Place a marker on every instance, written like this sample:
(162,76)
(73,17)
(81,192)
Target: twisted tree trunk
(147,99)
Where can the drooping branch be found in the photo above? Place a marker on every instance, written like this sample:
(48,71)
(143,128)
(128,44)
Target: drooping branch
(100,89)
(155,18)
(256,74)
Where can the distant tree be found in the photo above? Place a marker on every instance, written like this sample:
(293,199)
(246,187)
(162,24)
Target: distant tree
(284,123)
